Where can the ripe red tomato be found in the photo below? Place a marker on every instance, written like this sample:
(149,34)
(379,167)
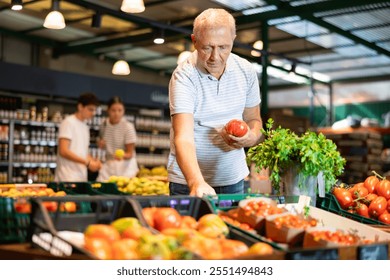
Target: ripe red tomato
(148,213)
(236,128)
(344,197)
(385,218)
(388,206)
(377,207)
(358,191)
(370,197)
(362,210)
(383,188)
(166,217)
(370,183)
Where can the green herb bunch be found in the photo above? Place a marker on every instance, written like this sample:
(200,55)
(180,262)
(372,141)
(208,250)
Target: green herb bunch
(310,152)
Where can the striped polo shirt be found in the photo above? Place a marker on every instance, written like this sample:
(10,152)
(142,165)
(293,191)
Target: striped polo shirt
(213,103)
(117,136)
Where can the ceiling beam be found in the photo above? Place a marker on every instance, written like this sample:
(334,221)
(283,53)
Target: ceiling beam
(302,11)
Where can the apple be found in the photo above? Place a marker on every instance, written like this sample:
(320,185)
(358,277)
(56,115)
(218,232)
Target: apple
(212,226)
(236,128)
(103,231)
(122,224)
(125,249)
(99,247)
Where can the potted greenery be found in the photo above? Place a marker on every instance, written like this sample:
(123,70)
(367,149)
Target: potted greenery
(310,155)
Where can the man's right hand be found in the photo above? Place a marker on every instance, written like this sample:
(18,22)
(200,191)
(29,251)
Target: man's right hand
(202,189)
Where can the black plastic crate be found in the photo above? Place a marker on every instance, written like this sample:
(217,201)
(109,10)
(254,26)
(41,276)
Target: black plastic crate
(13,225)
(45,227)
(185,205)
(330,203)
(228,201)
(76,188)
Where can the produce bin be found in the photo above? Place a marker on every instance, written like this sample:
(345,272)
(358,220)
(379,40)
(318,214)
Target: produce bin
(14,223)
(228,201)
(60,233)
(330,203)
(76,188)
(197,207)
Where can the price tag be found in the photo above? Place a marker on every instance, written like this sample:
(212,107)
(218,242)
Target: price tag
(373,252)
(323,254)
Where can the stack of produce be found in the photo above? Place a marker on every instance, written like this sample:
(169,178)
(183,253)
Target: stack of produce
(370,198)
(178,238)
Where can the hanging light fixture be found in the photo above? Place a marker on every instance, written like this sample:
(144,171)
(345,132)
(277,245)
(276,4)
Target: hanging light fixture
(121,68)
(96,20)
(159,39)
(259,46)
(133,6)
(16,5)
(54,19)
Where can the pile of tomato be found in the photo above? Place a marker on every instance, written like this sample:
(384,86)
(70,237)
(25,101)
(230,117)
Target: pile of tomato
(294,221)
(261,208)
(338,237)
(370,199)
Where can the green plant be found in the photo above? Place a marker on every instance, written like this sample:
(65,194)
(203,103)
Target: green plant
(311,153)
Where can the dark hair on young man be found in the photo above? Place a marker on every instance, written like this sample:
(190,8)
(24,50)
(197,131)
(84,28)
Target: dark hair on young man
(88,98)
(114,100)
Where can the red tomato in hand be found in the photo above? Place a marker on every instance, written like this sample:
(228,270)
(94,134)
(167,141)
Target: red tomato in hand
(383,188)
(370,183)
(377,207)
(344,197)
(236,128)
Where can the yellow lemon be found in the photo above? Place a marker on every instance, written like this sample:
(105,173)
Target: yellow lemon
(119,153)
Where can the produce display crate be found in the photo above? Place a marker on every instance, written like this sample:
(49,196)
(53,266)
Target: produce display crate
(76,188)
(228,201)
(13,224)
(107,188)
(379,250)
(196,207)
(56,232)
(330,203)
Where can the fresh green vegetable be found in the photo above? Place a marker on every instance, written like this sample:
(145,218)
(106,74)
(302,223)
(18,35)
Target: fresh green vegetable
(310,152)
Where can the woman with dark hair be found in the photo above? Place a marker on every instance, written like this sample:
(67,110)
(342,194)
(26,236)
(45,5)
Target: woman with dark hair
(117,138)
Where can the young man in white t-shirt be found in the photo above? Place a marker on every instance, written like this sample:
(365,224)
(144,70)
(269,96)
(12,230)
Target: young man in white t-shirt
(73,160)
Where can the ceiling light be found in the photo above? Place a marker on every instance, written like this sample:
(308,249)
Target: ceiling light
(159,39)
(183,56)
(132,6)
(16,5)
(121,67)
(259,46)
(54,20)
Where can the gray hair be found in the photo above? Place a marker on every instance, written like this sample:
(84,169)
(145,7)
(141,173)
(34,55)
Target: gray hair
(213,18)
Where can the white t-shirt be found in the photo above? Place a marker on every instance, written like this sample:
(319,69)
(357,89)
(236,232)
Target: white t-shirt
(77,132)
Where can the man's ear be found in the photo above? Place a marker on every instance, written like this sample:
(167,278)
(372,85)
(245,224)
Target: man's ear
(193,39)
